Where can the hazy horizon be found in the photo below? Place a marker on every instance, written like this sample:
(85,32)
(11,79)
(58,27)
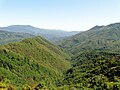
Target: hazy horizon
(69,15)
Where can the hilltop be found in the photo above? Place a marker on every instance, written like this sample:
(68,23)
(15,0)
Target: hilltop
(31,62)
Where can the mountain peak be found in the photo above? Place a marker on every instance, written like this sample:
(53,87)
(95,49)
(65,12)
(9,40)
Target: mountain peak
(96,27)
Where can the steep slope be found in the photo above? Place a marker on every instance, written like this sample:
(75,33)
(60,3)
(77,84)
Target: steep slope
(94,70)
(98,37)
(6,37)
(33,61)
(49,34)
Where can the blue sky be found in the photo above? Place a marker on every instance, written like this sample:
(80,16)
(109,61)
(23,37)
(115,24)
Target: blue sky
(70,15)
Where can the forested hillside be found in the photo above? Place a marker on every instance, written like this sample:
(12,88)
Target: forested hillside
(98,37)
(95,59)
(59,44)
(7,37)
(32,62)
(92,62)
(94,70)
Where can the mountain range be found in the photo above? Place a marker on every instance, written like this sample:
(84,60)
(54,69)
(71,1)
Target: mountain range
(88,60)
(49,34)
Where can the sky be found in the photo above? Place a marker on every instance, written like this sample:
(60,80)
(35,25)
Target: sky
(70,15)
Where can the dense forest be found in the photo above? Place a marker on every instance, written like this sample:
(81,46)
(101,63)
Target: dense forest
(97,38)
(89,60)
(94,70)
(32,62)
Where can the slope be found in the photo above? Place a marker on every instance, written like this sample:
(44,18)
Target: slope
(6,37)
(94,70)
(98,37)
(33,61)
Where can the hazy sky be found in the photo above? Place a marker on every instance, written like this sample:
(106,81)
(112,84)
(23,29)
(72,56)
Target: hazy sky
(59,14)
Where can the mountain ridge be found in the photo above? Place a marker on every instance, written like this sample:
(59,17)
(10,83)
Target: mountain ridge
(49,34)
(105,37)
(7,37)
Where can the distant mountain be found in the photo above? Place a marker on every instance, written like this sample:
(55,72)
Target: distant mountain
(98,37)
(7,37)
(31,62)
(49,34)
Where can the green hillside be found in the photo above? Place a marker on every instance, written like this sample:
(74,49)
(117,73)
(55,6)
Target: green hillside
(37,64)
(32,62)
(95,59)
(94,70)
(98,37)
(7,37)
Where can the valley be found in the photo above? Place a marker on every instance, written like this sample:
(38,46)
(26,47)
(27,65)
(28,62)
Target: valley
(88,60)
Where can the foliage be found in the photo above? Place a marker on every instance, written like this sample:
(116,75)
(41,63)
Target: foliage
(7,37)
(37,64)
(105,38)
(31,62)
(96,70)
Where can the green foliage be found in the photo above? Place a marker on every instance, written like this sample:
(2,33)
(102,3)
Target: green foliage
(96,59)
(105,38)
(5,84)
(7,37)
(95,70)
(33,61)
